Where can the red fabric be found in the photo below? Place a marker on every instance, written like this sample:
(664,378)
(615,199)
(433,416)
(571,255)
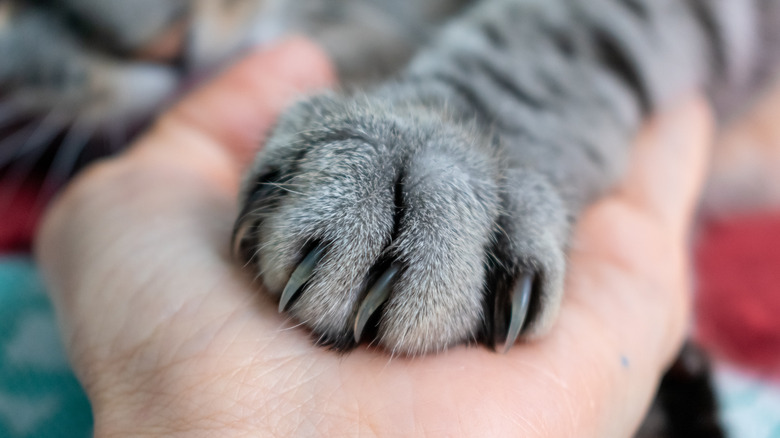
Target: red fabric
(20,208)
(738,299)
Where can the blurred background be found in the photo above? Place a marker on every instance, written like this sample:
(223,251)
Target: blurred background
(79,79)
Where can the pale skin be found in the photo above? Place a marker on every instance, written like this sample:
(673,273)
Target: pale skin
(170,338)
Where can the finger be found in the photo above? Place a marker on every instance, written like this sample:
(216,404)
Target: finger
(236,109)
(669,163)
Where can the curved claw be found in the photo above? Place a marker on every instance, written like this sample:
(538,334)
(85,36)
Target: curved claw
(378,294)
(247,218)
(299,277)
(520,303)
(240,230)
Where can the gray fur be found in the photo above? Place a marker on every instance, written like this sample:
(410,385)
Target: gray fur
(87,56)
(125,24)
(48,70)
(514,118)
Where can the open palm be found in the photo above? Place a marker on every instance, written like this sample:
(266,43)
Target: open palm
(169,336)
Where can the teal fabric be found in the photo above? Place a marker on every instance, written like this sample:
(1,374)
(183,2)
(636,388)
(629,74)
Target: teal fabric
(39,395)
(750,405)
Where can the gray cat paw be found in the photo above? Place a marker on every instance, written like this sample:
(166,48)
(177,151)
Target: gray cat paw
(405,230)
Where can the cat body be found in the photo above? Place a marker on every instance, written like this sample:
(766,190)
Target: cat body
(80,78)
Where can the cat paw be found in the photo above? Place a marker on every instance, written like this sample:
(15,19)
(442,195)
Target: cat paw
(406,230)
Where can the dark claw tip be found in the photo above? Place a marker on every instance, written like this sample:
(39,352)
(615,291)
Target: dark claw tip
(300,277)
(240,230)
(520,301)
(247,219)
(378,294)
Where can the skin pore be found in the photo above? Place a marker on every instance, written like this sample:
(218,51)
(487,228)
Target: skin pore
(170,337)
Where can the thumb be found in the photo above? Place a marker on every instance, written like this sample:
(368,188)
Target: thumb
(669,163)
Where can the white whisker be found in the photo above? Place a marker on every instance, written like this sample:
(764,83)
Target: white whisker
(10,145)
(66,158)
(24,158)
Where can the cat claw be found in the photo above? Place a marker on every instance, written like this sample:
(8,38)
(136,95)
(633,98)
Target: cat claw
(300,277)
(519,305)
(245,222)
(240,230)
(377,295)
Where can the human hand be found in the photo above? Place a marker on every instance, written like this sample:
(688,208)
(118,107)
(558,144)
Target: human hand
(169,337)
